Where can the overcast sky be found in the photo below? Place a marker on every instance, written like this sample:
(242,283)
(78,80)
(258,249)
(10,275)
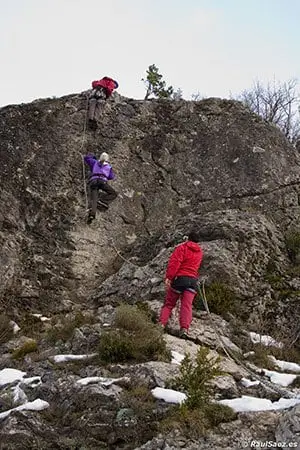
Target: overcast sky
(57,47)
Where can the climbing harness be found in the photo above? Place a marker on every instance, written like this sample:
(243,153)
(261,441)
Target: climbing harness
(267,385)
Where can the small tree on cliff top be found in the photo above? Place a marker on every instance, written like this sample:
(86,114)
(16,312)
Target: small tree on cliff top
(155,85)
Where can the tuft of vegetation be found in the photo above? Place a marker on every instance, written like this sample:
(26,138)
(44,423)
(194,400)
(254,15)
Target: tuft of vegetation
(6,330)
(217,413)
(194,423)
(31,325)
(133,338)
(138,397)
(292,242)
(288,352)
(191,423)
(296,382)
(272,274)
(29,346)
(65,329)
(261,357)
(221,299)
(144,306)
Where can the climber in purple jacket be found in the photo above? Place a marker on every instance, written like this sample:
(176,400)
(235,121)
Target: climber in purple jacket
(101,173)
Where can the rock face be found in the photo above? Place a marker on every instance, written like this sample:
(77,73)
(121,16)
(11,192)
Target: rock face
(171,158)
(210,165)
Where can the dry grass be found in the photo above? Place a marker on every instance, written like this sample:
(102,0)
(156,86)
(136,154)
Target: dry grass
(194,423)
(261,357)
(64,330)
(28,347)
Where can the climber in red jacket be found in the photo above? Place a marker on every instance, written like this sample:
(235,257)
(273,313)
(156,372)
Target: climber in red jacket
(181,281)
(102,90)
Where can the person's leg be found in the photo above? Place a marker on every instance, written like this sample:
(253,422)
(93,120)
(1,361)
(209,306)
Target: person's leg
(94,197)
(100,103)
(89,195)
(92,107)
(170,303)
(185,314)
(109,194)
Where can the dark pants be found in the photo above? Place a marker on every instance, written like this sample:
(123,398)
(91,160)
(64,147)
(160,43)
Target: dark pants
(108,196)
(96,104)
(96,107)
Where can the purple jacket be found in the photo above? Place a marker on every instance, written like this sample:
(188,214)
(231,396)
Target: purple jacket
(99,170)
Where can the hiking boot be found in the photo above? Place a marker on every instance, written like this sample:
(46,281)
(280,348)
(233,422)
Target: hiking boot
(93,124)
(102,205)
(162,327)
(90,218)
(183,333)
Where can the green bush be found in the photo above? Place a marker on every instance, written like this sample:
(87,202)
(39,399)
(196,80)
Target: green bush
(198,413)
(292,242)
(133,338)
(217,413)
(195,378)
(220,298)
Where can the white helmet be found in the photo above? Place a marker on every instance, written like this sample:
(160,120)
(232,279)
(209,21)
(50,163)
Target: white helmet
(104,157)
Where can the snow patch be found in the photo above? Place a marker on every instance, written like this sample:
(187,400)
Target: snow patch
(65,358)
(36,405)
(264,339)
(248,383)
(247,403)
(15,326)
(19,395)
(103,381)
(285,365)
(168,395)
(8,375)
(283,379)
(32,381)
(41,317)
(177,358)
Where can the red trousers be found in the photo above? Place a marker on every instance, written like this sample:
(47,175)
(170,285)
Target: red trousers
(185,314)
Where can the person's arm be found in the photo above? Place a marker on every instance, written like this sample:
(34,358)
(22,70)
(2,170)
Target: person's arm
(90,160)
(174,263)
(111,175)
(96,84)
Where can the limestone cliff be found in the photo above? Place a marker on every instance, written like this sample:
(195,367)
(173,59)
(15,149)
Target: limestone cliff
(210,164)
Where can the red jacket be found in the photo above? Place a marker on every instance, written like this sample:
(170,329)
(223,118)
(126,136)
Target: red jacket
(107,83)
(185,261)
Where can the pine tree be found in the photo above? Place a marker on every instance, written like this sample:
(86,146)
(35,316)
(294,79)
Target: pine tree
(155,85)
